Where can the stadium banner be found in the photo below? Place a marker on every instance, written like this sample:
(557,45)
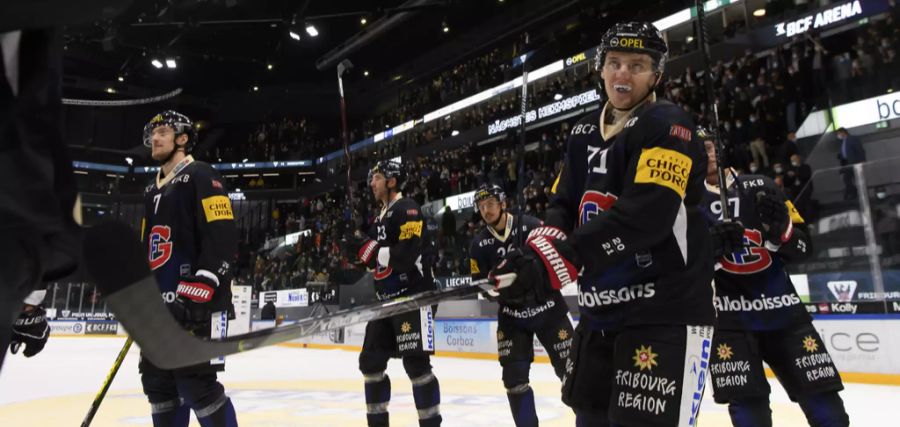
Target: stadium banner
(66,327)
(240,298)
(101,327)
(812,22)
(466,336)
(861,345)
(853,286)
(285,298)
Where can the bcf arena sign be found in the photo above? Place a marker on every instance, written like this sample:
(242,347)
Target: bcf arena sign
(819,19)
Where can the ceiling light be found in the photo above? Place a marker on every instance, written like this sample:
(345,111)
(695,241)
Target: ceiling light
(156,63)
(689,39)
(366,73)
(110,90)
(446,28)
(269,67)
(311,30)
(170,63)
(363,21)
(454,133)
(294,35)
(557,97)
(759,13)
(129,160)
(121,78)
(256,88)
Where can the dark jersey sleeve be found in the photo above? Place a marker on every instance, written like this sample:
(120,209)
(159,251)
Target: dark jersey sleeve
(216,232)
(660,157)
(405,230)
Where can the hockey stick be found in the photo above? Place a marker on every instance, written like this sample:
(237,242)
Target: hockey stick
(703,43)
(98,399)
(342,67)
(117,261)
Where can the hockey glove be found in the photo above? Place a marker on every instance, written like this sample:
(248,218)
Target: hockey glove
(558,258)
(368,254)
(195,292)
(727,237)
(546,231)
(30,329)
(773,214)
(518,279)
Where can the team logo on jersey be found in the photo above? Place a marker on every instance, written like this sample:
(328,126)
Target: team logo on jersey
(160,246)
(594,202)
(410,229)
(664,167)
(753,259)
(680,132)
(563,334)
(500,335)
(724,352)
(644,358)
(217,208)
(405,327)
(473,266)
(810,344)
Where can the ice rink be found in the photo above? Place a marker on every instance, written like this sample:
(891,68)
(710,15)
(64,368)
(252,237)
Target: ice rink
(288,386)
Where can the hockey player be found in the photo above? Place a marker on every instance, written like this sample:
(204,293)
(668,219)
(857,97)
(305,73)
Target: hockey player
(518,321)
(626,214)
(39,233)
(191,238)
(394,250)
(761,317)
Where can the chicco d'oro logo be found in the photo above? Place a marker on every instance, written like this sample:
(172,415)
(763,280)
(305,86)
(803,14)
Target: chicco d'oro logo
(160,246)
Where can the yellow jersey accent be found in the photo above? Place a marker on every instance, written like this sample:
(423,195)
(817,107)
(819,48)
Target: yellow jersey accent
(792,211)
(664,167)
(410,229)
(217,208)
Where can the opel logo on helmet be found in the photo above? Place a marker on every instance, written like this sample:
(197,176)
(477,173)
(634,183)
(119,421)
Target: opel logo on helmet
(614,42)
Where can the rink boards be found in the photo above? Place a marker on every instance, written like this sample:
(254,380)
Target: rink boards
(865,348)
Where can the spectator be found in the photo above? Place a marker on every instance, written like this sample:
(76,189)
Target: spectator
(268,312)
(851,153)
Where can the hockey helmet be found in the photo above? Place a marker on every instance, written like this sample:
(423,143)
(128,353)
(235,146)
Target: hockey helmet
(486,191)
(179,123)
(637,37)
(390,169)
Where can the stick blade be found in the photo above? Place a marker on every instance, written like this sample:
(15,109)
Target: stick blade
(114,256)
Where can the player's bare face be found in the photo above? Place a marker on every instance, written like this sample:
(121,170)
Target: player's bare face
(163,142)
(712,175)
(490,210)
(627,77)
(378,184)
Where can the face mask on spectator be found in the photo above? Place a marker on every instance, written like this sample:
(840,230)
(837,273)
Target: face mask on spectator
(738,125)
(778,169)
(795,164)
(754,168)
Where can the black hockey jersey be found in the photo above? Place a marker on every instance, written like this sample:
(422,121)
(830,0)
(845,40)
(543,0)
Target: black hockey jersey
(753,291)
(402,267)
(188,226)
(630,208)
(488,249)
